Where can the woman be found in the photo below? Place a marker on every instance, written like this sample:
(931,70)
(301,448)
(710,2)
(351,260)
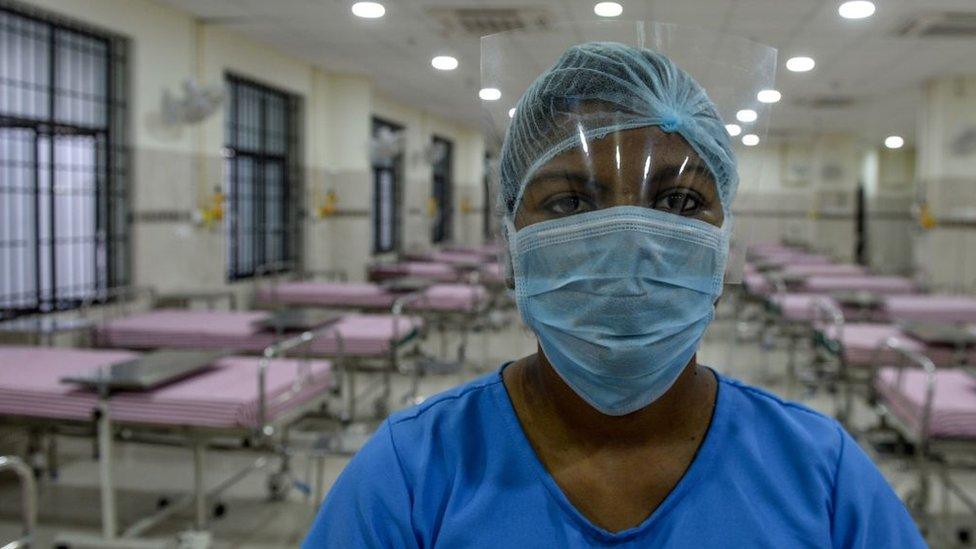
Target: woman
(617,177)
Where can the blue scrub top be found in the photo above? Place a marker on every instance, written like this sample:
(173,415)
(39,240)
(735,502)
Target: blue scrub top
(458,471)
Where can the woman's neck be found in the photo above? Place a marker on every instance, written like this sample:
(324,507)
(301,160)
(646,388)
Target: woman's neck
(684,410)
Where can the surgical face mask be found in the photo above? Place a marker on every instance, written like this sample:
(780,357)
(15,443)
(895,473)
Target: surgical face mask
(619,298)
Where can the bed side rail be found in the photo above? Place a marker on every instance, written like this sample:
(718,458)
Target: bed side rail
(28,499)
(907,357)
(300,344)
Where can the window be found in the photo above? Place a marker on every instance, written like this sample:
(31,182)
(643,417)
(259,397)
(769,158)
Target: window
(387,159)
(262,179)
(63,163)
(443,192)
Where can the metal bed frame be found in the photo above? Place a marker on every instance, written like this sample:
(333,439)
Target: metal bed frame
(469,320)
(269,437)
(28,500)
(927,451)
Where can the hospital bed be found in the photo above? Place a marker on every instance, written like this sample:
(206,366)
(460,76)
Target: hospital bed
(490,250)
(433,271)
(441,297)
(199,399)
(934,410)
(456,258)
(790,293)
(458,306)
(365,342)
(853,348)
(793,313)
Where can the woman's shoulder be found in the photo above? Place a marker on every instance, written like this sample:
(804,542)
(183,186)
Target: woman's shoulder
(451,424)
(458,403)
(759,413)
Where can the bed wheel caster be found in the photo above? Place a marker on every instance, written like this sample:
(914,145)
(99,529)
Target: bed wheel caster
(162,503)
(915,502)
(62,546)
(219,510)
(277,486)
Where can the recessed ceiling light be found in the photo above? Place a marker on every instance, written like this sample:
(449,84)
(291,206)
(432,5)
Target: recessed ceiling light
(769,96)
(511,112)
(368,10)
(801,64)
(490,94)
(608,9)
(750,140)
(894,142)
(746,115)
(733,129)
(856,9)
(444,63)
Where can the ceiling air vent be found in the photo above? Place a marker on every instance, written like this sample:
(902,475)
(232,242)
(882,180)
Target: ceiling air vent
(947,24)
(825,102)
(483,21)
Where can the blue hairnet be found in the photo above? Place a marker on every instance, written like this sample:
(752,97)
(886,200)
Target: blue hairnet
(603,87)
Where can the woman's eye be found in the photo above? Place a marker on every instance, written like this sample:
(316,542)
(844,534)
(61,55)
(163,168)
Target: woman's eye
(566,205)
(681,202)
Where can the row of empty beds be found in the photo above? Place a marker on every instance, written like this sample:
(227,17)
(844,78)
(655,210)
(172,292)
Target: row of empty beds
(907,353)
(219,377)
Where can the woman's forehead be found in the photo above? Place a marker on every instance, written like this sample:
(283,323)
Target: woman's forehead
(632,147)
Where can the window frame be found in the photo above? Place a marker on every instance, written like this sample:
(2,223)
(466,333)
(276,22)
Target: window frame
(109,168)
(442,190)
(292,212)
(396,206)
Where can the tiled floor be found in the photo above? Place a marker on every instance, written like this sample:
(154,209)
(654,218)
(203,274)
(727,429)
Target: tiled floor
(145,473)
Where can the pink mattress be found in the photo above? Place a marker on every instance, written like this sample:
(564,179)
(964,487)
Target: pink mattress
(931,308)
(492,273)
(763,249)
(489,250)
(222,396)
(795,258)
(437,272)
(451,297)
(757,284)
(887,285)
(327,294)
(860,341)
(439,297)
(799,307)
(827,269)
(953,405)
(362,334)
(458,257)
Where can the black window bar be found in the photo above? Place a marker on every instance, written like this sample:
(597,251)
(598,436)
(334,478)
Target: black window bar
(387,196)
(487,202)
(64,163)
(262,179)
(443,191)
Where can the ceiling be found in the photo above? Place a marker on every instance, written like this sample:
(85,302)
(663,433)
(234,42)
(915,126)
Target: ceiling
(863,61)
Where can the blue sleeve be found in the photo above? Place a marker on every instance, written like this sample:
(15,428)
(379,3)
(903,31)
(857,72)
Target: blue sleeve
(866,511)
(369,505)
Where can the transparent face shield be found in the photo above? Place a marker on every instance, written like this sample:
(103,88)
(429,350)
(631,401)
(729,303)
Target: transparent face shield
(610,120)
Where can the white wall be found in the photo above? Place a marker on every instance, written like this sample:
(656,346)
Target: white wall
(947,180)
